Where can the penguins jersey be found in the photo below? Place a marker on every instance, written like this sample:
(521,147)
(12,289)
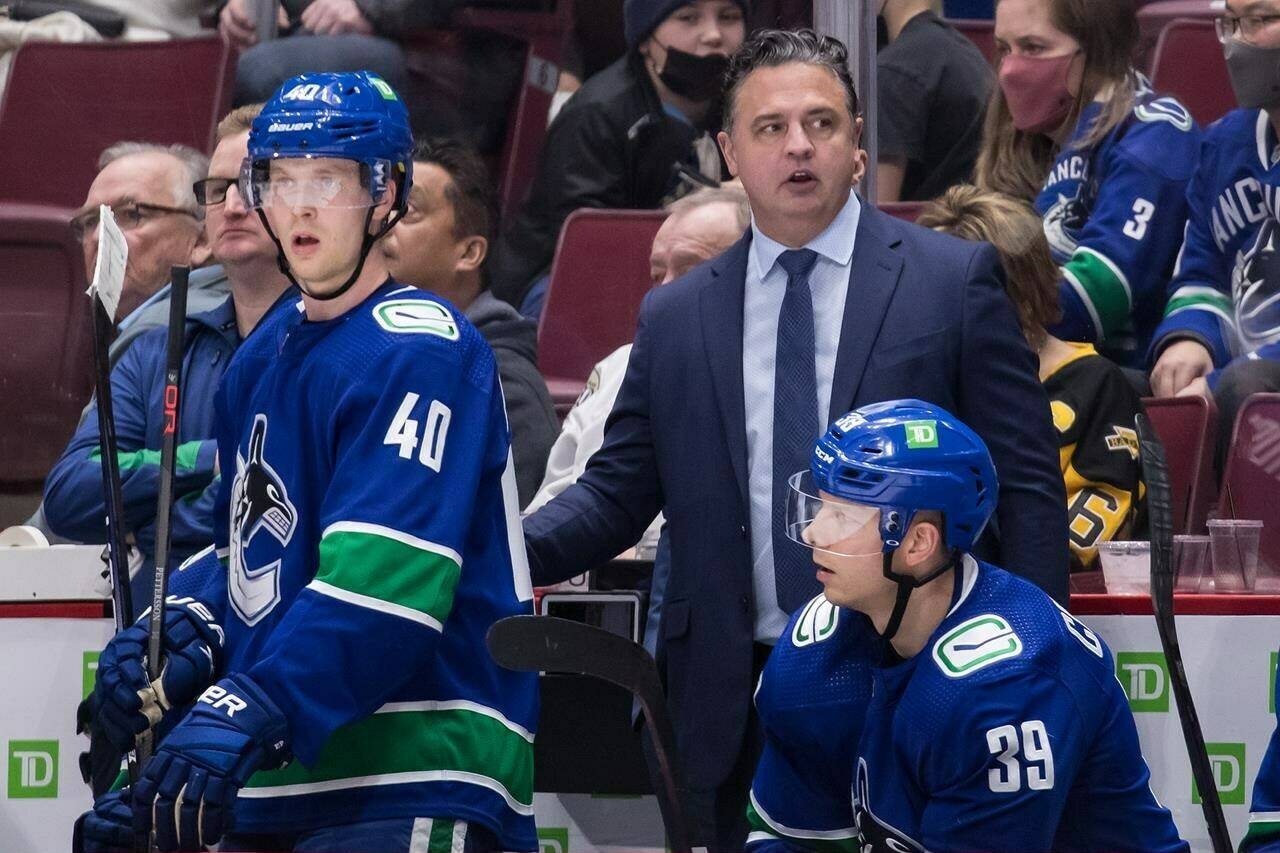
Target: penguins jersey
(1225,286)
(367,537)
(811,699)
(1093,408)
(1114,215)
(1007,732)
(1264,809)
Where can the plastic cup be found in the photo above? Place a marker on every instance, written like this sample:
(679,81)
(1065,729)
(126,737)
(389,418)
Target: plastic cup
(1126,567)
(1234,543)
(1191,564)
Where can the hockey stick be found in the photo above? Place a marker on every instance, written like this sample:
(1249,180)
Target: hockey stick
(112,497)
(549,644)
(164,500)
(1155,472)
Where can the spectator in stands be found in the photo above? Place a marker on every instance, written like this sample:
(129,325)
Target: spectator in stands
(824,305)
(147,20)
(933,85)
(1221,331)
(1074,128)
(635,135)
(73,504)
(322,35)
(1092,402)
(440,245)
(148,188)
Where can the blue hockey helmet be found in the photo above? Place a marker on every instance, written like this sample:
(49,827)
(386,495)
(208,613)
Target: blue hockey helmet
(350,115)
(903,456)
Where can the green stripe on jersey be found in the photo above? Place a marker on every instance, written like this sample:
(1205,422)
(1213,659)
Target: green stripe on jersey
(1262,827)
(1104,287)
(838,841)
(185,457)
(411,742)
(396,571)
(441,838)
(1204,298)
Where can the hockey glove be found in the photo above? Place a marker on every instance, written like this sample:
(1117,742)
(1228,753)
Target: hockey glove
(128,704)
(107,827)
(189,788)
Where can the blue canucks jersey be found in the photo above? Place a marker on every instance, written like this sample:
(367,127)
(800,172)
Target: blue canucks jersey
(1225,291)
(811,701)
(1007,732)
(367,536)
(1264,808)
(1114,214)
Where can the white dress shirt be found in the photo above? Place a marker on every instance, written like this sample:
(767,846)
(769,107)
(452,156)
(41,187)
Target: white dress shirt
(765,286)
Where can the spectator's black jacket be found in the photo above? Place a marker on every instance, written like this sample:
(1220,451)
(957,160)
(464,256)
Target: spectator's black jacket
(530,413)
(611,146)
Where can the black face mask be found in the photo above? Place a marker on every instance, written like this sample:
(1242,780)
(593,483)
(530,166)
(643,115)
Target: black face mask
(697,78)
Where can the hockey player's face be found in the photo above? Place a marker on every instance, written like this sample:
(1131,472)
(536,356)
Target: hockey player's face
(317,209)
(846,544)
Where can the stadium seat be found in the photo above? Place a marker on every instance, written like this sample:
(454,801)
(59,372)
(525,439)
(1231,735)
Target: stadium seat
(545,33)
(598,278)
(1251,480)
(45,341)
(65,103)
(1188,427)
(907,211)
(1188,64)
(981,33)
(1153,17)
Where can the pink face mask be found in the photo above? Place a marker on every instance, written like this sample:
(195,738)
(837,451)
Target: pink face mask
(1036,90)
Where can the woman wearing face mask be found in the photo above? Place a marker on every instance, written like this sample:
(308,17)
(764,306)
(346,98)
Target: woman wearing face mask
(1075,129)
(637,134)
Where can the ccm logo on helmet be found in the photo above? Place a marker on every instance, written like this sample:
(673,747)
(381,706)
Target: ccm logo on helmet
(218,697)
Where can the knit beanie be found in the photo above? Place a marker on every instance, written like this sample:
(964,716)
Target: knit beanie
(642,17)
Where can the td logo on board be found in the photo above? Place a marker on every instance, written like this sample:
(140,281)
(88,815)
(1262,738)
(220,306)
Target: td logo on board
(553,839)
(1145,678)
(33,769)
(1227,762)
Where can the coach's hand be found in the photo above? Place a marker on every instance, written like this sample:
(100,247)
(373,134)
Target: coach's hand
(189,787)
(127,702)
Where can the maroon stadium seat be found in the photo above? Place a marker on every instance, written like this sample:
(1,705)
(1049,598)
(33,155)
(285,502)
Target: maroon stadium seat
(1251,481)
(1153,17)
(599,275)
(65,103)
(45,366)
(981,33)
(1188,64)
(1188,427)
(907,211)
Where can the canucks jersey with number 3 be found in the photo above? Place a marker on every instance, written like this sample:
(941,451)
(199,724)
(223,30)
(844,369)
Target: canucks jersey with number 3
(1114,213)
(811,700)
(1007,732)
(1225,291)
(369,536)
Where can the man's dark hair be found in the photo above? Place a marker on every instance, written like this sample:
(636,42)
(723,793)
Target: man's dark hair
(772,48)
(469,190)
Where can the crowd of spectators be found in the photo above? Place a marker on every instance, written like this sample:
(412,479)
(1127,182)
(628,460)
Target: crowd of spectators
(1131,253)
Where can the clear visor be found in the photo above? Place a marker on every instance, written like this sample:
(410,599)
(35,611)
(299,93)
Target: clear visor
(827,523)
(300,182)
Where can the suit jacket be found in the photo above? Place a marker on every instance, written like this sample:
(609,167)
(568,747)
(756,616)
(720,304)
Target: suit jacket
(926,316)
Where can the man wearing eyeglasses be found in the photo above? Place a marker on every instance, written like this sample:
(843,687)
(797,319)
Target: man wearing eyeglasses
(73,504)
(1221,332)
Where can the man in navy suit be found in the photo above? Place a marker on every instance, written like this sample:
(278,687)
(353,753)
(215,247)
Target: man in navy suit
(823,306)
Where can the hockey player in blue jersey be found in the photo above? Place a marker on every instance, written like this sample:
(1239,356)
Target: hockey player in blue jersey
(367,536)
(995,721)
(1076,128)
(1264,809)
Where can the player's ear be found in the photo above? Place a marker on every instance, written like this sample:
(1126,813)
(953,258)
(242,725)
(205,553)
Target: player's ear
(923,542)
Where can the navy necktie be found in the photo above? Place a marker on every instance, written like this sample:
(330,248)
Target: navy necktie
(795,425)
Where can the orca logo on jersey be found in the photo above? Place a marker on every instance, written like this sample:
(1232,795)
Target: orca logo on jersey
(1255,289)
(1063,222)
(874,835)
(259,501)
